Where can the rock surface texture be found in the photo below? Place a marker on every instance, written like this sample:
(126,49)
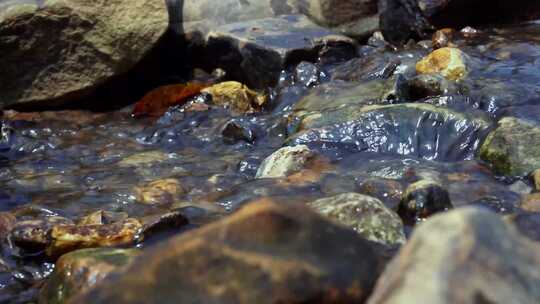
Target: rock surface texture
(464,256)
(56,52)
(265,253)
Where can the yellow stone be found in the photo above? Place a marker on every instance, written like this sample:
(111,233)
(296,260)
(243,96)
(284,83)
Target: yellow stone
(143,158)
(160,191)
(236,96)
(448,62)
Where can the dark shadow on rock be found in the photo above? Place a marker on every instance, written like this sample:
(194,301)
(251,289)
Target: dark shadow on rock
(167,62)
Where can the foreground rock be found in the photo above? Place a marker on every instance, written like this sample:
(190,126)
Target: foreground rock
(59,51)
(513,148)
(77,271)
(463,256)
(264,253)
(365,214)
(256,51)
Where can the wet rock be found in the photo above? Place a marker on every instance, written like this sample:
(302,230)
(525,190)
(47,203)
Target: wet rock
(265,253)
(355,18)
(101,217)
(238,130)
(236,96)
(87,43)
(7,223)
(284,161)
(429,85)
(442,38)
(143,158)
(78,271)
(448,62)
(531,202)
(404,129)
(512,148)
(307,74)
(520,187)
(401,20)
(527,223)
(227,11)
(66,238)
(464,256)
(255,52)
(423,199)
(374,66)
(536,179)
(496,204)
(387,190)
(162,191)
(154,224)
(33,235)
(365,214)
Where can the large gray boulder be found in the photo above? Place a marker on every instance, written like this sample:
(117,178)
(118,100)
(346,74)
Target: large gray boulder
(464,256)
(57,51)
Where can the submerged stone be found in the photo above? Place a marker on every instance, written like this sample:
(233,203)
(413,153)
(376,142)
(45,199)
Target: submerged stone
(365,214)
(406,129)
(264,253)
(162,191)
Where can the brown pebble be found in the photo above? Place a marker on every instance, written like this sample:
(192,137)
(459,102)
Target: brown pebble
(442,38)
(531,202)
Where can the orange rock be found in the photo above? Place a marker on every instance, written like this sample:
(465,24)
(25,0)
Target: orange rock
(159,100)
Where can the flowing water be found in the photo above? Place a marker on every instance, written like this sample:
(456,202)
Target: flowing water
(70,163)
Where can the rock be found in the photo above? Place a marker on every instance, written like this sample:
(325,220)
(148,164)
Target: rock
(365,214)
(402,20)
(264,253)
(32,235)
(528,224)
(430,85)
(464,256)
(236,96)
(143,158)
(66,238)
(101,217)
(403,129)
(79,270)
(531,202)
(56,52)
(255,52)
(496,204)
(512,148)
(536,179)
(7,223)
(229,11)
(423,199)
(448,62)
(161,191)
(238,130)
(442,38)
(354,18)
(307,74)
(373,66)
(154,224)
(520,187)
(387,190)
(284,161)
